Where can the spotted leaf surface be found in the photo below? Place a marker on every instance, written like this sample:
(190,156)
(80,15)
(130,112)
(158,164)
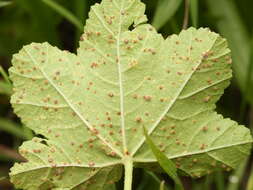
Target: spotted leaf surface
(89,109)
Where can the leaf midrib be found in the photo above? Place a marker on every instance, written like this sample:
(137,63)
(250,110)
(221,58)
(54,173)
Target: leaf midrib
(122,111)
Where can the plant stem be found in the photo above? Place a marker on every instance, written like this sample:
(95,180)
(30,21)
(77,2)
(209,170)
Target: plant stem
(128,173)
(186,14)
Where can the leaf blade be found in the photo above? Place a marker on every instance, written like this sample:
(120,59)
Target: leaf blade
(124,76)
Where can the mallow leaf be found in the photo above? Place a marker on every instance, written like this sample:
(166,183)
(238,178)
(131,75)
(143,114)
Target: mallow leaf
(89,109)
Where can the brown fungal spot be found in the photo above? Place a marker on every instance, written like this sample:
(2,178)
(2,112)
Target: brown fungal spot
(111,133)
(50,160)
(94,65)
(112,154)
(205,55)
(138,119)
(126,41)
(147,98)
(162,99)
(91,164)
(46,82)
(207,99)
(110,94)
(205,129)
(140,37)
(202,146)
(161,87)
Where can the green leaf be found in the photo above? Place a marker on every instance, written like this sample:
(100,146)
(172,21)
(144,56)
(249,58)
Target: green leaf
(164,11)
(89,108)
(168,166)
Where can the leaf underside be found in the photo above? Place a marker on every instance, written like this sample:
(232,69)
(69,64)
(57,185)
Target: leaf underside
(90,108)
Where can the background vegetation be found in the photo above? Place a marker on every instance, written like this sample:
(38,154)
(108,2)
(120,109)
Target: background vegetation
(60,22)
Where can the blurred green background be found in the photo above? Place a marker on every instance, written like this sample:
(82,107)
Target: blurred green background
(60,22)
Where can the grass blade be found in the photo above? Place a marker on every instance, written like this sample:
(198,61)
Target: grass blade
(246,91)
(65,13)
(5,151)
(150,181)
(194,6)
(3,178)
(81,11)
(250,181)
(162,185)
(219,181)
(5,75)
(4,3)
(228,21)
(5,88)
(236,177)
(164,11)
(168,166)
(186,14)
(14,129)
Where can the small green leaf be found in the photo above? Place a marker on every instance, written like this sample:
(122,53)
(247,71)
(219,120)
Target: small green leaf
(168,166)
